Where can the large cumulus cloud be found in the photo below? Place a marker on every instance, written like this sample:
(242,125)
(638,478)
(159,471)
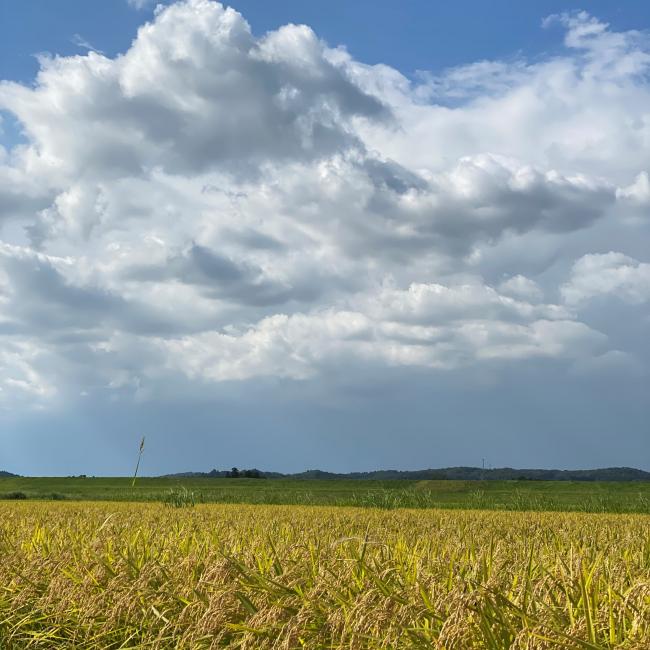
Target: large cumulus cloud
(195,91)
(216,206)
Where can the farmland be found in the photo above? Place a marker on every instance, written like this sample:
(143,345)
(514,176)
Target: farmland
(622,497)
(103,563)
(136,575)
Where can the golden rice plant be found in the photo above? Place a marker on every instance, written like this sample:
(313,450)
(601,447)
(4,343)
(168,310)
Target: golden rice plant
(109,575)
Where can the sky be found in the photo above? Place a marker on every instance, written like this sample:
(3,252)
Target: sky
(345,236)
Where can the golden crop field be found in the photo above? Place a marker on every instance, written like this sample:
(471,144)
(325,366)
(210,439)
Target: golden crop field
(120,575)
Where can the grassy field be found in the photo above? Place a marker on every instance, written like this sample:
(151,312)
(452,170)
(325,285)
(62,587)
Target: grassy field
(502,495)
(138,575)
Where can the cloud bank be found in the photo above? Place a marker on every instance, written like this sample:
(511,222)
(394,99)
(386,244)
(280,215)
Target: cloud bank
(214,206)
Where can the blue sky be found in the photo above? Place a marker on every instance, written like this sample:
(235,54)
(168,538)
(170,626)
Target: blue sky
(424,248)
(410,36)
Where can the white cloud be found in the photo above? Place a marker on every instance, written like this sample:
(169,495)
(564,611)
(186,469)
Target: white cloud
(521,287)
(435,302)
(21,381)
(195,91)
(220,206)
(637,192)
(608,274)
(300,345)
(585,110)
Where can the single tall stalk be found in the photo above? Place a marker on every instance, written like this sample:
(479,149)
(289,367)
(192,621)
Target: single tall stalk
(138,463)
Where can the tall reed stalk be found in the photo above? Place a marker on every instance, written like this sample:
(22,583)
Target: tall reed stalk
(137,466)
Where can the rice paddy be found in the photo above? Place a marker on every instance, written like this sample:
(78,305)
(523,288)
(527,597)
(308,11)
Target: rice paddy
(579,496)
(143,575)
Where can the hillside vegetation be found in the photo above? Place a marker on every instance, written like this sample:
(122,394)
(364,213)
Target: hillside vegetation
(451,473)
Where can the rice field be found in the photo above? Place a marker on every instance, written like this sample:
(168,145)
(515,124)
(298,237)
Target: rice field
(141,575)
(578,496)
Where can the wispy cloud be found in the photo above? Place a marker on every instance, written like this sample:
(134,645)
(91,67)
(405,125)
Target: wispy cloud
(81,42)
(140,4)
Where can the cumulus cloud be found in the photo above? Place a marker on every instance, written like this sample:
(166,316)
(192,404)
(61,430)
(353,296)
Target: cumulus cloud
(638,192)
(216,206)
(583,110)
(195,91)
(298,346)
(608,274)
(519,286)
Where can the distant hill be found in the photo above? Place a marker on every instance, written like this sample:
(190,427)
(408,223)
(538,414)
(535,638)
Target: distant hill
(453,473)
(7,475)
